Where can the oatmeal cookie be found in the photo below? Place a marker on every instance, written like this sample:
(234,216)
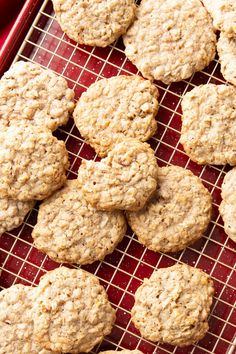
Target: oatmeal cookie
(70,230)
(72,313)
(94,22)
(34,95)
(12,213)
(226,48)
(32,163)
(170,39)
(176,215)
(228,205)
(16,324)
(223,13)
(115,108)
(209,124)
(125,179)
(172,306)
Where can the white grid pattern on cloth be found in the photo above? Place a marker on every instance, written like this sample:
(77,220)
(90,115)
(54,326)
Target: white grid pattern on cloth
(44,36)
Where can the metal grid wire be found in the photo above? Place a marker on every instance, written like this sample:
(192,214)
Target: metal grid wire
(123,271)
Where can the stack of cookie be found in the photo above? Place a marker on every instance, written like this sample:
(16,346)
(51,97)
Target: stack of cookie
(84,221)
(168,208)
(33,103)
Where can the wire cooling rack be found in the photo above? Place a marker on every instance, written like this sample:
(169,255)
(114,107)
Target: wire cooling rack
(123,271)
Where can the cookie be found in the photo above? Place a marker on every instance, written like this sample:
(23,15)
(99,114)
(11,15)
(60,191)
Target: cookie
(12,213)
(72,312)
(223,13)
(16,324)
(125,351)
(172,306)
(170,39)
(226,48)
(125,179)
(94,22)
(228,205)
(208,130)
(115,108)
(70,230)
(177,214)
(32,163)
(34,95)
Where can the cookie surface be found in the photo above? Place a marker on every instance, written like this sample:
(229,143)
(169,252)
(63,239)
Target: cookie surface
(72,312)
(228,205)
(115,108)
(176,215)
(172,306)
(32,163)
(170,39)
(223,13)
(208,124)
(16,325)
(226,48)
(94,22)
(70,230)
(34,95)
(12,213)
(125,179)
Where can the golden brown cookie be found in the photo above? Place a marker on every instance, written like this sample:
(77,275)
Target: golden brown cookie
(33,162)
(177,214)
(125,179)
(94,22)
(172,306)
(31,94)
(170,39)
(208,130)
(16,324)
(70,230)
(117,108)
(72,312)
